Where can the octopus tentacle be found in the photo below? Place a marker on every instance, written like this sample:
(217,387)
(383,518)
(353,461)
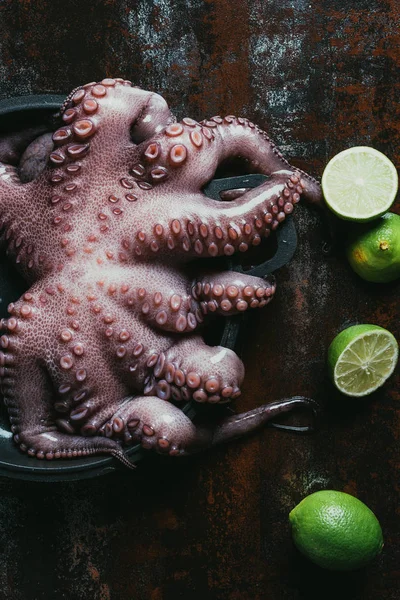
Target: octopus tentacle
(160,426)
(23,381)
(210,228)
(189,153)
(261,154)
(13,145)
(51,444)
(164,306)
(73,390)
(154,423)
(191,369)
(98,113)
(34,159)
(22,204)
(183,311)
(241,424)
(228,293)
(13,200)
(172,311)
(242,223)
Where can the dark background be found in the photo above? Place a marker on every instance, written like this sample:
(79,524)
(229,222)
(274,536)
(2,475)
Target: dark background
(319,76)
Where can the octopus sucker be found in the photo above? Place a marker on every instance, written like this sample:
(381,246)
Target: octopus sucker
(104,218)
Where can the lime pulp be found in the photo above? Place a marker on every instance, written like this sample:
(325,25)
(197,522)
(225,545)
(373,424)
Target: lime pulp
(361,358)
(359,184)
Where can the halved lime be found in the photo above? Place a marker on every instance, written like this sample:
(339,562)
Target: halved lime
(359,184)
(361,358)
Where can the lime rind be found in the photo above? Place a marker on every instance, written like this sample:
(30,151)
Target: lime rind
(367,361)
(374,252)
(359,184)
(336,530)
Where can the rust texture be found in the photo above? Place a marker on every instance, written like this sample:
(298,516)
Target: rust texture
(319,76)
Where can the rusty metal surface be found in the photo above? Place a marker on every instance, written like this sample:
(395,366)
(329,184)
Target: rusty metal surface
(319,76)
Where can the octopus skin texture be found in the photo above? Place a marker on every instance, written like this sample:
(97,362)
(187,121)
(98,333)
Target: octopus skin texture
(104,218)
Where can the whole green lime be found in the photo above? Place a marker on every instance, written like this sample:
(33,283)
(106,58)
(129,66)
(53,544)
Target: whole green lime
(374,253)
(336,530)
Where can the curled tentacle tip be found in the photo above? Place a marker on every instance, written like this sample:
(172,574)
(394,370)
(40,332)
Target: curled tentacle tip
(121,456)
(301,403)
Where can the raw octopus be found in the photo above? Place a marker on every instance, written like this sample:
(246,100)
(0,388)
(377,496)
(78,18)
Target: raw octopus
(104,219)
